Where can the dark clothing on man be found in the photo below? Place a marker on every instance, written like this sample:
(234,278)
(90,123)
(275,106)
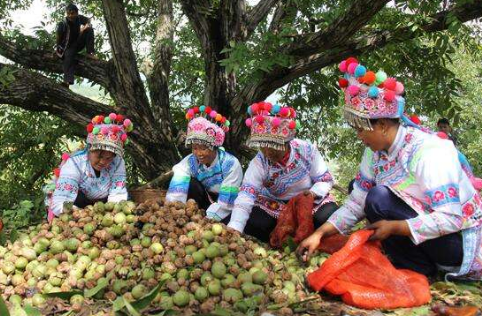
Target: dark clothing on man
(72,41)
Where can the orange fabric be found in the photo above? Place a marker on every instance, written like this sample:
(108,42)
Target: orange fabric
(365,278)
(295,220)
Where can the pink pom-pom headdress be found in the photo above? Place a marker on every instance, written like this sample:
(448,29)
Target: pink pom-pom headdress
(369,95)
(271,125)
(206,127)
(109,133)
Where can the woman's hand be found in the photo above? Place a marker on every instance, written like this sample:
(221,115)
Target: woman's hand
(308,192)
(308,246)
(384,229)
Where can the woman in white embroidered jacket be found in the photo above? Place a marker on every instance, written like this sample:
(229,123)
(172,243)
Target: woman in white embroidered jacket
(209,175)
(411,186)
(96,173)
(283,168)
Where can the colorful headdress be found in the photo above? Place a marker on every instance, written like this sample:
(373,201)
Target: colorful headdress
(271,125)
(369,95)
(109,133)
(206,127)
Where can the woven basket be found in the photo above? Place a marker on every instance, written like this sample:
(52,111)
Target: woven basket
(142,195)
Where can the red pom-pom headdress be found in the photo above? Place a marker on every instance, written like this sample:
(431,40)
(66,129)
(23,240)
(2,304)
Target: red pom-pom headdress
(271,125)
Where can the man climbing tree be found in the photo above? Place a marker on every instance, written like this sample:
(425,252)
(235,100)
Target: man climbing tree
(74,34)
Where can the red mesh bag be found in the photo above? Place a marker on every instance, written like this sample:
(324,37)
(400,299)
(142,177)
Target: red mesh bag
(365,278)
(295,220)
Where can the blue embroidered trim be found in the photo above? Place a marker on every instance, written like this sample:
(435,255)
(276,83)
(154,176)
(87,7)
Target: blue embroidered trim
(179,185)
(249,190)
(364,183)
(325,177)
(442,195)
(471,240)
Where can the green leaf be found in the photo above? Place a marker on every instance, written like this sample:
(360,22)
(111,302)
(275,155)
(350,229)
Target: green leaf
(167,312)
(132,311)
(64,295)
(144,301)
(32,311)
(3,239)
(99,287)
(290,242)
(118,304)
(3,307)
(13,235)
(221,312)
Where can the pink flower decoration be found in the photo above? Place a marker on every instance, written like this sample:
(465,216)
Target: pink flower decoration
(438,196)
(369,104)
(408,138)
(468,210)
(452,192)
(428,200)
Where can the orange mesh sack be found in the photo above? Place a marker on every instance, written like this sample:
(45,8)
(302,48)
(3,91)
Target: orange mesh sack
(295,220)
(365,278)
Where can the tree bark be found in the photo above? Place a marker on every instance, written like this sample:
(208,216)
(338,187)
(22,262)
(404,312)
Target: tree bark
(154,150)
(44,60)
(37,93)
(158,78)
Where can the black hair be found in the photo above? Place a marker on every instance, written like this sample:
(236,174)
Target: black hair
(392,120)
(443,120)
(71,7)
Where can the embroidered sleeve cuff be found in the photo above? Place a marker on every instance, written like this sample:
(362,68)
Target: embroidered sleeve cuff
(117,197)
(176,197)
(332,222)
(239,226)
(415,236)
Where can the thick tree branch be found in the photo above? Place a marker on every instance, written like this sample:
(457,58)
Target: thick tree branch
(232,19)
(35,92)
(284,10)
(342,29)
(129,86)
(158,79)
(94,70)
(198,13)
(214,29)
(257,14)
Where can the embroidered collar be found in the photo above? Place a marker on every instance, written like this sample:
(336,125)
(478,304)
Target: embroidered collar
(284,161)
